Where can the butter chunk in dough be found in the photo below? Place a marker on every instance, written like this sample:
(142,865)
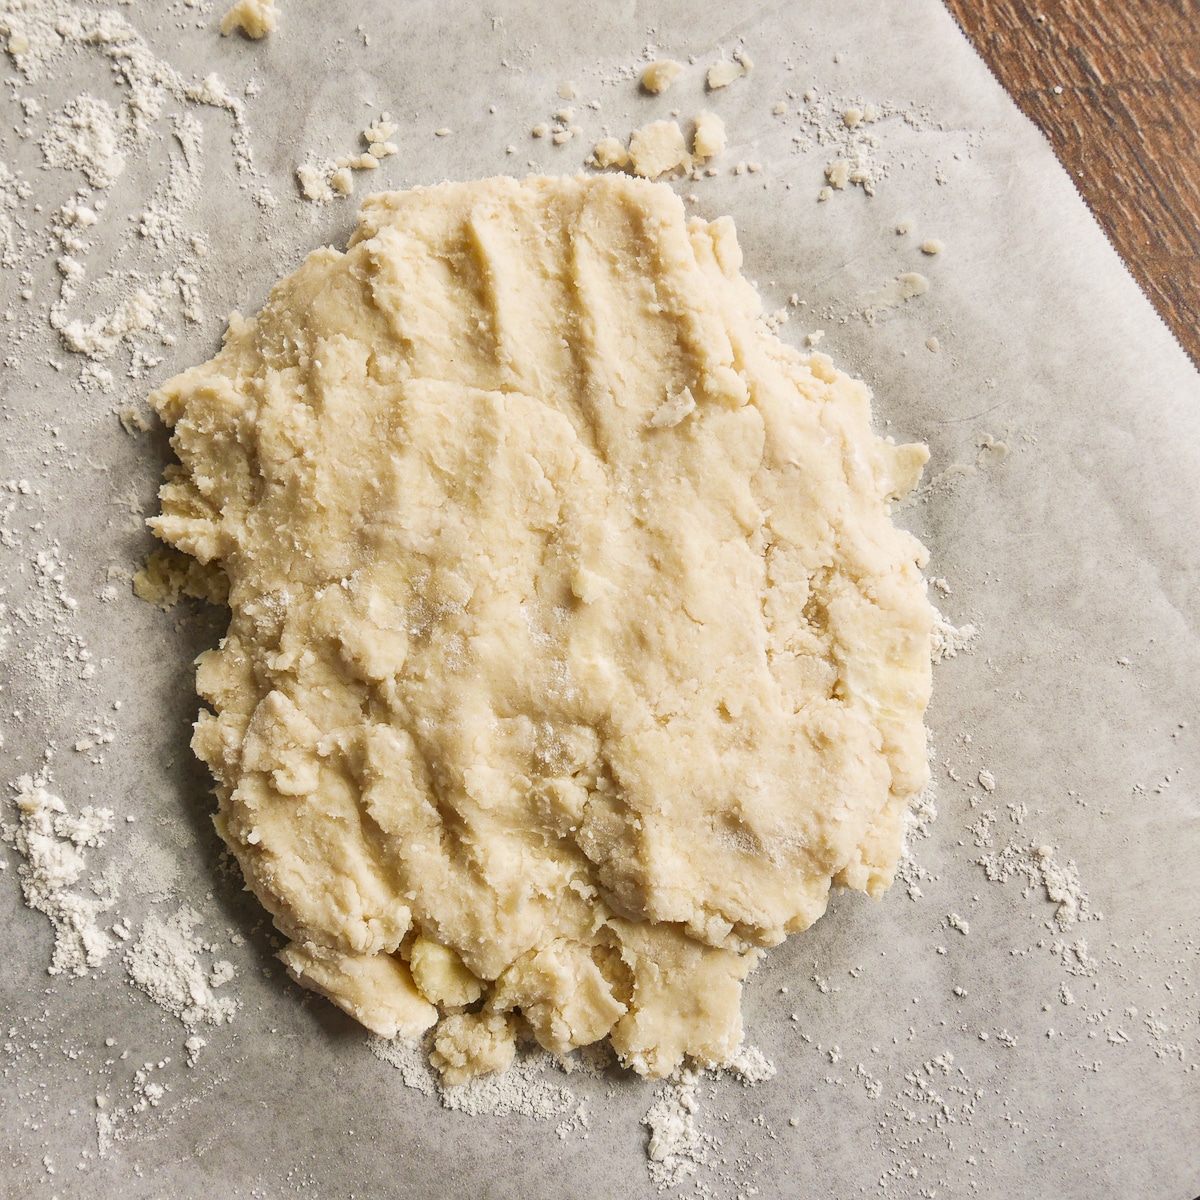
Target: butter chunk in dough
(574,656)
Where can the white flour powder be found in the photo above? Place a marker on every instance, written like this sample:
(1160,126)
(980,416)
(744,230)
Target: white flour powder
(522,1090)
(52,842)
(1037,865)
(165,963)
(949,641)
(676,1147)
(99,139)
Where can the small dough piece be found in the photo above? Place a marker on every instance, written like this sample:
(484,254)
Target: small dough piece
(609,152)
(376,990)
(471,1044)
(722,74)
(314,182)
(709,139)
(255,18)
(573,654)
(658,148)
(659,75)
(673,410)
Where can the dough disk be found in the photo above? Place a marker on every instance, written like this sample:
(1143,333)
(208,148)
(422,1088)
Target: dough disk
(573,653)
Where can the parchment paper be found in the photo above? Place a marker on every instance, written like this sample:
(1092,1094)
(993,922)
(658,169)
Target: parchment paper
(915,1059)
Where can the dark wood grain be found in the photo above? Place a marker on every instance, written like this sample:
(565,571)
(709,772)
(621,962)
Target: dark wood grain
(1125,124)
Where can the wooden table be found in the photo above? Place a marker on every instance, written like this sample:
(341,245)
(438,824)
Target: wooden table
(1115,87)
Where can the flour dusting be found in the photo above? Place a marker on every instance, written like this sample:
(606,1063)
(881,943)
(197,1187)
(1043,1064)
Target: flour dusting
(676,1147)
(1037,865)
(52,842)
(521,1090)
(949,641)
(165,963)
(99,139)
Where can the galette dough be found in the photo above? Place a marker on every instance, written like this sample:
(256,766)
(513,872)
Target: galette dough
(573,653)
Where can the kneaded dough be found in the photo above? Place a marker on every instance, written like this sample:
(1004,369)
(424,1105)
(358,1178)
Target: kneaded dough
(574,655)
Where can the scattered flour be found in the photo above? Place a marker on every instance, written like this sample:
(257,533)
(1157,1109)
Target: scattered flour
(99,140)
(849,131)
(164,962)
(676,1147)
(52,842)
(751,1066)
(1037,865)
(917,824)
(152,869)
(577,1122)
(410,1056)
(521,1090)
(949,641)
(13,190)
(86,135)
(324,180)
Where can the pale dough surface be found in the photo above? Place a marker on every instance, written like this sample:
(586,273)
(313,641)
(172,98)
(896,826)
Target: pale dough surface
(573,654)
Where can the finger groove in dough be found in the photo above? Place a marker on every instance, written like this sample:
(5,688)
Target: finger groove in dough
(573,653)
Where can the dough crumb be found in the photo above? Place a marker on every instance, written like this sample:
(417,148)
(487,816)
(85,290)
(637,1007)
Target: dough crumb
(314,183)
(608,152)
(838,173)
(673,410)
(254,18)
(947,641)
(932,246)
(325,181)
(723,73)
(657,148)
(709,139)
(659,75)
